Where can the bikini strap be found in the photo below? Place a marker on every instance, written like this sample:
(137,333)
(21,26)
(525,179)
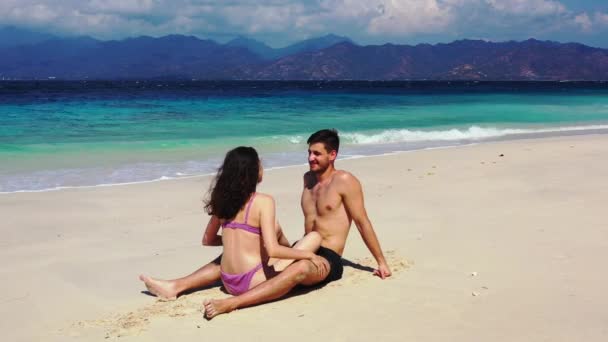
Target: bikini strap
(249,207)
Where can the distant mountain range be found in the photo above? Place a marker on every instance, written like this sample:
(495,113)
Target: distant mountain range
(30,55)
(268,53)
(11,36)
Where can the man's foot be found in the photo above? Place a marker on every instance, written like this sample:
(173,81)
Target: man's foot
(214,307)
(163,289)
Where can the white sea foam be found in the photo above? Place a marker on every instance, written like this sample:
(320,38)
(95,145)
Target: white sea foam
(471,133)
(103,185)
(297,139)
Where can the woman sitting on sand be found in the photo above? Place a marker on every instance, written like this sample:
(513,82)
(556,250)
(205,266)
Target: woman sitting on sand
(249,234)
(254,246)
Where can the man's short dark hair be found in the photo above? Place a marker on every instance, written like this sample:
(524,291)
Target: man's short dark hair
(329,138)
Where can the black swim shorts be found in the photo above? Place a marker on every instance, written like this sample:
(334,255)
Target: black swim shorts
(335,264)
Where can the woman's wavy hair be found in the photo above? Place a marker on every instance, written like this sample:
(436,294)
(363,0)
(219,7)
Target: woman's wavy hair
(234,183)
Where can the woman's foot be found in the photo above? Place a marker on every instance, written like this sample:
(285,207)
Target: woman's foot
(163,289)
(214,307)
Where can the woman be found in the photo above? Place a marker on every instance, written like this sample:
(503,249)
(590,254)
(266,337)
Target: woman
(254,246)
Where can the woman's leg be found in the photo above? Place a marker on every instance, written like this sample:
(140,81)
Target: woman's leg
(170,289)
(210,273)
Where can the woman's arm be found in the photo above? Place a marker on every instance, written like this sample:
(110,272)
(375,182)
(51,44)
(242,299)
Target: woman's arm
(210,237)
(269,234)
(281,238)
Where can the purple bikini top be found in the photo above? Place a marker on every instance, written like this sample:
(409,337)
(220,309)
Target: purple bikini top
(243,226)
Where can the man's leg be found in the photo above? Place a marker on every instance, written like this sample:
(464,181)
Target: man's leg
(301,272)
(170,289)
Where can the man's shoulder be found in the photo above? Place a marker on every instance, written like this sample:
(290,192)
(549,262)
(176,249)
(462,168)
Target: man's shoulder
(345,177)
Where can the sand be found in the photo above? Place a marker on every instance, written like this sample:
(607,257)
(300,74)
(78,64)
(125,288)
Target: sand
(483,247)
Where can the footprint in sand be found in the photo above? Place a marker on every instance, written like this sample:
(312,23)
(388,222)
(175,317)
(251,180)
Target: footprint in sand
(134,322)
(479,292)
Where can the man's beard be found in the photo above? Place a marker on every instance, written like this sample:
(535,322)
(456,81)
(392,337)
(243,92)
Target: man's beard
(320,169)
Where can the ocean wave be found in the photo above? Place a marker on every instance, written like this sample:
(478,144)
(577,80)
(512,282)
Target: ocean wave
(281,139)
(454,134)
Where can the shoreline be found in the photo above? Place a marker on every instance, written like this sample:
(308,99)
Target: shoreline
(603,130)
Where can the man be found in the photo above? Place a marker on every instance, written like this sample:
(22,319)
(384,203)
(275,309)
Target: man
(331,200)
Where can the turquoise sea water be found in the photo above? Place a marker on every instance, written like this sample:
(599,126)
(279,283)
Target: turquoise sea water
(78,134)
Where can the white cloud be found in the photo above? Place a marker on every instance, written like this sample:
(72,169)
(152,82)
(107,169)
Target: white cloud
(528,7)
(591,23)
(601,18)
(409,17)
(583,21)
(289,20)
(384,17)
(123,6)
(349,9)
(37,13)
(261,18)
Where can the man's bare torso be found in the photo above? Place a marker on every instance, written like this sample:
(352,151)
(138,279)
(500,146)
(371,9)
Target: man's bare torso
(324,210)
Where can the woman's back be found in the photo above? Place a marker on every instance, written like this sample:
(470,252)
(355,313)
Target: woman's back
(242,239)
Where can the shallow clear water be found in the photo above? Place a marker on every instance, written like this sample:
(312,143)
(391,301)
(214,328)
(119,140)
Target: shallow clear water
(64,134)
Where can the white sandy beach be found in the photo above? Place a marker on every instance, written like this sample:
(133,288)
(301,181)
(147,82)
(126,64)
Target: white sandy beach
(483,248)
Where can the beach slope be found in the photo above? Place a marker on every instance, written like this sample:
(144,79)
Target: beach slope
(501,241)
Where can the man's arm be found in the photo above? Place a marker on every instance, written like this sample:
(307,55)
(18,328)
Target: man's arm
(352,196)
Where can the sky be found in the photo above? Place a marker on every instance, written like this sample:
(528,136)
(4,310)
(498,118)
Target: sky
(281,22)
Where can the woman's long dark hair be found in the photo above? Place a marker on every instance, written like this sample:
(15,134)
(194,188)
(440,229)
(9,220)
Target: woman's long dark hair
(234,183)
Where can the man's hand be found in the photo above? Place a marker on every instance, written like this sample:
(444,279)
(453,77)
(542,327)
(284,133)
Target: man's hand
(383,271)
(320,265)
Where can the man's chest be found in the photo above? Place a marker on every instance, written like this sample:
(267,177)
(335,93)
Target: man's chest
(322,200)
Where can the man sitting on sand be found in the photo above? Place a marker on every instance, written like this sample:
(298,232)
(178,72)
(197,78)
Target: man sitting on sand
(331,200)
